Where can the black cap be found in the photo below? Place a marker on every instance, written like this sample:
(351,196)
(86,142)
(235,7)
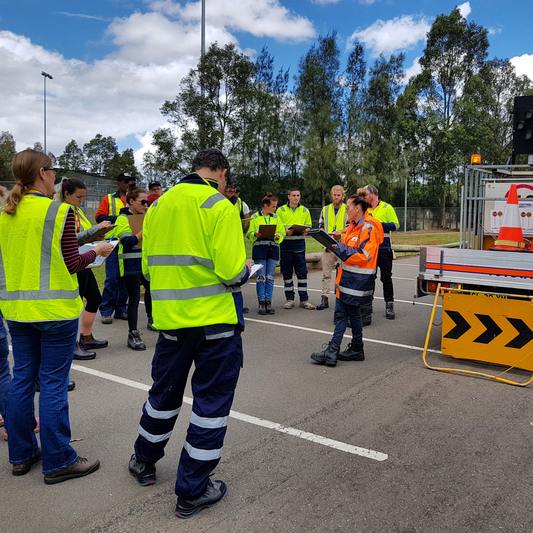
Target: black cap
(154,184)
(125,176)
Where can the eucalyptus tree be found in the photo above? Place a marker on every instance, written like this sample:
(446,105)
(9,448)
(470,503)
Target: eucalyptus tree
(7,153)
(455,51)
(319,91)
(72,157)
(99,152)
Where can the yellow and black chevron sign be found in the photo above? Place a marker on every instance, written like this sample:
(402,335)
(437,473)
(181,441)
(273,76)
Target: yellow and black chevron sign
(493,330)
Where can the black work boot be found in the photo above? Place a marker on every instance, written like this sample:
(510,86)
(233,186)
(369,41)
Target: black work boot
(269,310)
(324,304)
(366,314)
(389,312)
(262,307)
(328,356)
(354,352)
(83,355)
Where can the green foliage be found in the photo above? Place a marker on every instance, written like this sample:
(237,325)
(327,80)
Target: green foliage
(7,153)
(72,157)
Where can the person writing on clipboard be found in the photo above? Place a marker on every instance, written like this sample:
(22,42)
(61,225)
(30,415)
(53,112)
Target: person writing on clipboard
(265,249)
(358,252)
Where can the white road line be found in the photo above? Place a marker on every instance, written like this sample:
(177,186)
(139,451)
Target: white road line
(324,441)
(348,336)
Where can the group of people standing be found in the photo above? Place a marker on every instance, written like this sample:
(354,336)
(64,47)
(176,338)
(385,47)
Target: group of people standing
(190,257)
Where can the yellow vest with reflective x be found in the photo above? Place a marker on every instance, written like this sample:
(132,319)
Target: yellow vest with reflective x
(193,252)
(35,284)
(123,230)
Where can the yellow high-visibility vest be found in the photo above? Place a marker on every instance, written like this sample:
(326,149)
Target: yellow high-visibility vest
(193,254)
(35,284)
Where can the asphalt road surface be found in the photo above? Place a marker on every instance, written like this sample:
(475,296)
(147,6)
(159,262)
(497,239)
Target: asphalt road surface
(383,445)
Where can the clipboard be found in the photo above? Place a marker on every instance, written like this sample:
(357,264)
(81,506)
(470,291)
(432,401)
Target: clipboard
(267,231)
(136,223)
(323,238)
(298,229)
(99,233)
(100,260)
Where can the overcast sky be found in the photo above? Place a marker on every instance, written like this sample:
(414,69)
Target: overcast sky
(114,62)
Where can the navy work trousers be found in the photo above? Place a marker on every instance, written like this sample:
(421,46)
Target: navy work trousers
(294,261)
(217,355)
(384,264)
(115,295)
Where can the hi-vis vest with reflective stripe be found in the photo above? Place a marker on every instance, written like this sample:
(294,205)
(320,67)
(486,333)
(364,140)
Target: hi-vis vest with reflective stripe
(35,284)
(85,224)
(193,253)
(300,216)
(123,230)
(332,223)
(115,205)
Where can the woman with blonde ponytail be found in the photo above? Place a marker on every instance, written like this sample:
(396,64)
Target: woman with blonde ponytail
(39,298)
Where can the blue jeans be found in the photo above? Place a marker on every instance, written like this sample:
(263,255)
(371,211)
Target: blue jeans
(265,279)
(5,376)
(342,312)
(114,296)
(44,350)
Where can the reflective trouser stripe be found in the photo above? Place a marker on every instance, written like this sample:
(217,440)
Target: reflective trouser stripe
(209,423)
(353,292)
(154,438)
(154,413)
(223,335)
(202,455)
(288,283)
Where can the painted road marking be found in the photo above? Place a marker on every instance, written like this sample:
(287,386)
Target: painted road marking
(324,441)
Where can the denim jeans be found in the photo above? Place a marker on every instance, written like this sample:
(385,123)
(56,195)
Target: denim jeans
(5,376)
(265,279)
(342,312)
(44,350)
(114,296)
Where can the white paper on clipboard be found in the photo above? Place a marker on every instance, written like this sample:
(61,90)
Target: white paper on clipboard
(255,268)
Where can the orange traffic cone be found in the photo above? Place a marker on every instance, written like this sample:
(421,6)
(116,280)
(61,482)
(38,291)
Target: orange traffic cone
(510,236)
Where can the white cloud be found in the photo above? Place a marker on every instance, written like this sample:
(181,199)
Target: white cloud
(413,70)
(523,65)
(120,95)
(465,9)
(261,18)
(400,33)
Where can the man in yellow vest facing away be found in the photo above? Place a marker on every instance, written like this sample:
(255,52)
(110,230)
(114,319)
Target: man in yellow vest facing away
(332,220)
(193,253)
(114,295)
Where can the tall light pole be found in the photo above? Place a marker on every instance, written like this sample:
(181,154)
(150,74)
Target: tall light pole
(46,75)
(202,44)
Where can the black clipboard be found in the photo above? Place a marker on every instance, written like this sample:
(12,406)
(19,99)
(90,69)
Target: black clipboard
(267,231)
(323,238)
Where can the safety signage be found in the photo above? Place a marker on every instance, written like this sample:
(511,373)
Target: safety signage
(494,330)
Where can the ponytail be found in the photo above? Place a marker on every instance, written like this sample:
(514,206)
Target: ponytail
(25,168)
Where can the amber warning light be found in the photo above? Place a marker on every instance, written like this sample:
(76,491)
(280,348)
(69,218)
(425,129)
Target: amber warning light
(475,159)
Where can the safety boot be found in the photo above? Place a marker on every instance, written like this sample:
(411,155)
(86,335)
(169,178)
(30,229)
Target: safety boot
(354,352)
(328,356)
(324,304)
(269,310)
(262,307)
(389,311)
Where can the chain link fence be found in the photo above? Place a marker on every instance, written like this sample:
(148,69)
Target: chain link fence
(418,218)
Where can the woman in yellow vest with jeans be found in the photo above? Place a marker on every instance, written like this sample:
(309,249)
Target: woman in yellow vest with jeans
(39,298)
